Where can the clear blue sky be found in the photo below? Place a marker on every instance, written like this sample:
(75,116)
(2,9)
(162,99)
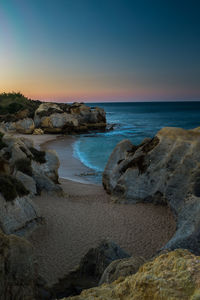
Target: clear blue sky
(101,50)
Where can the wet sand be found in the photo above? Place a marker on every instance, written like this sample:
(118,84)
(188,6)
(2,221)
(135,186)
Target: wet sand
(86,215)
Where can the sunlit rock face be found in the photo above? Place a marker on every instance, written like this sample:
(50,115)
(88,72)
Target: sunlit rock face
(55,118)
(173,275)
(163,170)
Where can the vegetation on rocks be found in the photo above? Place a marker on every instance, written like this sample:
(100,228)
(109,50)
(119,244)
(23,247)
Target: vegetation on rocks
(38,156)
(10,187)
(2,144)
(12,103)
(24,165)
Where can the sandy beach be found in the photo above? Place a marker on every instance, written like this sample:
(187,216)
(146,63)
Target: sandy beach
(86,215)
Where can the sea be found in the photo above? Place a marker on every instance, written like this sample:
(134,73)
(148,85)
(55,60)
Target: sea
(134,121)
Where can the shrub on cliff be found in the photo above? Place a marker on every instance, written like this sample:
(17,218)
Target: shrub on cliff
(10,188)
(2,144)
(24,165)
(11,103)
(38,156)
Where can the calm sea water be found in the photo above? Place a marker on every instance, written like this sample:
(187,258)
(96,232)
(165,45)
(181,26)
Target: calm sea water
(133,121)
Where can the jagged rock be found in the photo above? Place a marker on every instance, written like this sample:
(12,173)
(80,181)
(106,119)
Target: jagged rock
(25,171)
(26,126)
(28,182)
(19,216)
(162,170)
(111,173)
(18,270)
(46,174)
(174,275)
(90,269)
(121,268)
(52,165)
(45,110)
(38,131)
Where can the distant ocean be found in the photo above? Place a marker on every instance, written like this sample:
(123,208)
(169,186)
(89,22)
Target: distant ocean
(133,121)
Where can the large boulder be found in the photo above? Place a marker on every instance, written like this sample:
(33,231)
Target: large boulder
(91,117)
(90,269)
(45,110)
(26,126)
(19,216)
(162,170)
(173,275)
(56,123)
(18,270)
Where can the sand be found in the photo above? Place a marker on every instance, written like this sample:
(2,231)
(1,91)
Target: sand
(86,215)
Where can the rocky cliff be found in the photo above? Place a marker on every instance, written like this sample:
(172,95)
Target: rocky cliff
(24,172)
(163,170)
(173,275)
(26,116)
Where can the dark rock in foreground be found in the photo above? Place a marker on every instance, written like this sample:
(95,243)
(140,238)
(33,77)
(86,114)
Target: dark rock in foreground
(90,269)
(18,271)
(162,170)
(172,275)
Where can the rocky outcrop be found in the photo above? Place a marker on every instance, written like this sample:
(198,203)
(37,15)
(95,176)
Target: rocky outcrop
(173,275)
(25,172)
(90,269)
(162,170)
(121,268)
(54,118)
(18,270)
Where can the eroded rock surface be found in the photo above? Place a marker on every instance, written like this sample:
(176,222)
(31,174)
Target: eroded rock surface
(173,275)
(121,268)
(24,172)
(162,170)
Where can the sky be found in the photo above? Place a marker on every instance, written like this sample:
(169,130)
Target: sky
(101,50)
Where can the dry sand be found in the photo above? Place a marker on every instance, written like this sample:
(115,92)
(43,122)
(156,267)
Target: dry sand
(85,216)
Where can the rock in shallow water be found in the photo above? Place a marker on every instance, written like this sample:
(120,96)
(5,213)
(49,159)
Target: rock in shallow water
(162,170)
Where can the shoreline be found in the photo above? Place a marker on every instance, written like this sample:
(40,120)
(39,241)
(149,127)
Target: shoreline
(84,216)
(72,169)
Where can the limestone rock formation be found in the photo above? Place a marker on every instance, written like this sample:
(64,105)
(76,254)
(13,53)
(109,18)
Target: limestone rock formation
(18,271)
(57,118)
(162,170)
(121,268)
(24,172)
(90,269)
(173,275)
(42,117)
(26,126)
